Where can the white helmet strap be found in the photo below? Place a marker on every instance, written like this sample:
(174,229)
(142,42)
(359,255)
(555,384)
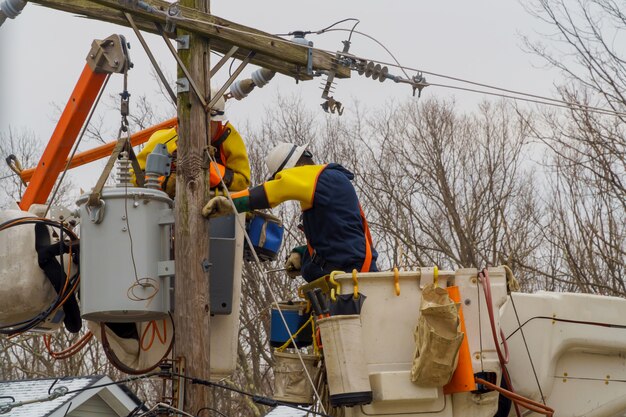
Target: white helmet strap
(282,164)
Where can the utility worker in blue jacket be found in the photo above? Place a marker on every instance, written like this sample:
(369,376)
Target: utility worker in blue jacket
(337,234)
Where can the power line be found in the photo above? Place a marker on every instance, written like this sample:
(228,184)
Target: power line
(565,104)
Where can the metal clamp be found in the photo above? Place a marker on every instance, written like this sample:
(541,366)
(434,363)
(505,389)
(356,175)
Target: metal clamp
(96,212)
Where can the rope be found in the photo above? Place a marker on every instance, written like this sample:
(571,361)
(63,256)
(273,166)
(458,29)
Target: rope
(267,284)
(80,138)
(238,220)
(292,337)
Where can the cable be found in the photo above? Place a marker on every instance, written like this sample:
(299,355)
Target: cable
(80,138)
(484,280)
(256,398)
(504,358)
(145,282)
(210,409)
(267,284)
(518,399)
(532,364)
(70,283)
(404,68)
(68,352)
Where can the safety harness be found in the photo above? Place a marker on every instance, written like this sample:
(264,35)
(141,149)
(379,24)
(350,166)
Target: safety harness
(322,263)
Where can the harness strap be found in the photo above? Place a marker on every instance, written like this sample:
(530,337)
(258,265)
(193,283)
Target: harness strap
(367,263)
(368,243)
(221,137)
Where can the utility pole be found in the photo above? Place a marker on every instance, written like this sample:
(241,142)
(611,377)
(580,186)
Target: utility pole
(191,310)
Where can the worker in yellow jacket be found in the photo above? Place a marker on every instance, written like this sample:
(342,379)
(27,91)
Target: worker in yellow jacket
(228,150)
(337,234)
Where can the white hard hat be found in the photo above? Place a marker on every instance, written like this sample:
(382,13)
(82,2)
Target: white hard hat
(283,156)
(217,111)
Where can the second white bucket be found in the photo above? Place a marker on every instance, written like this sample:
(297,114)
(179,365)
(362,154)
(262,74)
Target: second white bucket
(291,384)
(346,369)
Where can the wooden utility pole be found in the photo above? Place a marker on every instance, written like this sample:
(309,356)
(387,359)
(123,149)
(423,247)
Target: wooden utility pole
(192,311)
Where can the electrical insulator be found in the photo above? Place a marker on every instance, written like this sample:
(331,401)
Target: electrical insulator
(124,178)
(259,78)
(375,71)
(158,164)
(10,9)
(299,37)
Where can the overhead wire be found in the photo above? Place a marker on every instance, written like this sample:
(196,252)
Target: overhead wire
(547,100)
(61,391)
(564,103)
(256,398)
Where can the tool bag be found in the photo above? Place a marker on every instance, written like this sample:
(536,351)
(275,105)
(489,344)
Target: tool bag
(266,233)
(438,339)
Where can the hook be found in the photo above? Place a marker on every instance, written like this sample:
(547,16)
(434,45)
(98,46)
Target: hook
(396,280)
(336,286)
(355,284)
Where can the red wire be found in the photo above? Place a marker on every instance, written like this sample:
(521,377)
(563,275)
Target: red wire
(484,275)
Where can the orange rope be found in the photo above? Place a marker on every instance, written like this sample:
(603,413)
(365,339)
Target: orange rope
(518,399)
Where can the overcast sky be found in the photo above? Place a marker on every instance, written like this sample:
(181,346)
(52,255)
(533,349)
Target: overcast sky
(42,53)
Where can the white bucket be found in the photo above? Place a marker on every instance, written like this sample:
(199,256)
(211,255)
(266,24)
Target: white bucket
(291,384)
(346,369)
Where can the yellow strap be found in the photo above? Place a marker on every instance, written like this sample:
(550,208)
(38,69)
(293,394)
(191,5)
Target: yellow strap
(436,276)
(284,346)
(316,348)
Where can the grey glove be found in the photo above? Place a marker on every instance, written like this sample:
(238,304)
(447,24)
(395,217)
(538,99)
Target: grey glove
(217,206)
(293,264)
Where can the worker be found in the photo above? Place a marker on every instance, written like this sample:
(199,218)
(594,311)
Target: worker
(337,234)
(228,150)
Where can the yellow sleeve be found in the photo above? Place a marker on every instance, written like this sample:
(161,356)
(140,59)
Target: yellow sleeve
(237,160)
(296,183)
(168,136)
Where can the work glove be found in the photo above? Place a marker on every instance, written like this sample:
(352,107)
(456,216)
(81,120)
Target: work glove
(293,264)
(217,206)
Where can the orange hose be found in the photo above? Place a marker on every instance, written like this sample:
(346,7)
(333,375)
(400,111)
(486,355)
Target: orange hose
(518,399)
(155,331)
(70,351)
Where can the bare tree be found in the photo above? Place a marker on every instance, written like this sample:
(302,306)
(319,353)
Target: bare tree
(449,190)
(586,227)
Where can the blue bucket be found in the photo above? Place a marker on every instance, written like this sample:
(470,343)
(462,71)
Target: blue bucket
(266,234)
(295,317)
